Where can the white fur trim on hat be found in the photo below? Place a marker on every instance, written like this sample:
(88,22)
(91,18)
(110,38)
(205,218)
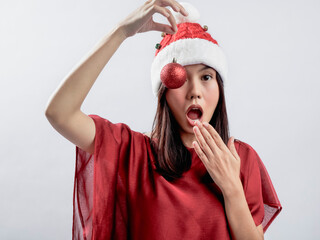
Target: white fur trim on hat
(193,14)
(188,51)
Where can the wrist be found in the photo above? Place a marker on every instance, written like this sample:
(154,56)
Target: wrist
(120,31)
(233,189)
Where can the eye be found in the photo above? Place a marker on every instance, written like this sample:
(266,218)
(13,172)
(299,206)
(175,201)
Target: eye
(206,79)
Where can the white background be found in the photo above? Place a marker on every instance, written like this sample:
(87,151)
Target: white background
(272,95)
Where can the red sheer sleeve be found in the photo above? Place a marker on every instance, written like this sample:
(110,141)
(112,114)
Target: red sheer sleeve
(99,199)
(260,194)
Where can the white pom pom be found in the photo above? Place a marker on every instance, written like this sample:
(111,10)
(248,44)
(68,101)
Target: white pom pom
(193,14)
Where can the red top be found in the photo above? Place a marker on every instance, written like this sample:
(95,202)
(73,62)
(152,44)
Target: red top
(118,194)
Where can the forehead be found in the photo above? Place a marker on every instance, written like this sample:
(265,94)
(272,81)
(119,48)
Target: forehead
(197,67)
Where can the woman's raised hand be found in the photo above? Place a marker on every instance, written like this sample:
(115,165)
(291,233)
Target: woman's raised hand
(141,20)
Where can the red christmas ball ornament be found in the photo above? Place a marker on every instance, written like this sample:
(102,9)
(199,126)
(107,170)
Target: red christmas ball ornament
(173,75)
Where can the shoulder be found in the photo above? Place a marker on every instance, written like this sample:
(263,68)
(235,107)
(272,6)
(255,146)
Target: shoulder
(244,148)
(106,126)
(148,134)
(249,158)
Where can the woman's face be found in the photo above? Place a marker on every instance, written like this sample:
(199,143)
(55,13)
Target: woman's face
(196,99)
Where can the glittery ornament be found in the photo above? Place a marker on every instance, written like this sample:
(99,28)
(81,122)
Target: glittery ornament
(205,27)
(173,75)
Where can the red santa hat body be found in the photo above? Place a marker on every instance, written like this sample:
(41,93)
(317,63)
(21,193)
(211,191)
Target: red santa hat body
(191,44)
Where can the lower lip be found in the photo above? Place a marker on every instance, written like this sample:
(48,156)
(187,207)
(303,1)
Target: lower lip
(192,122)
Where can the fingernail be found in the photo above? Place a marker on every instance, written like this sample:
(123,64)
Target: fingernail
(205,124)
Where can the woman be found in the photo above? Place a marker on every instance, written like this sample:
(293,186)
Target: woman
(188,180)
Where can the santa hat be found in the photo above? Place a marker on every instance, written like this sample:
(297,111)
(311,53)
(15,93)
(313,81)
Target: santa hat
(191,44)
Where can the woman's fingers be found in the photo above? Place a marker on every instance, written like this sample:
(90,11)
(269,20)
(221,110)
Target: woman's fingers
(200,153)
(184,12)
(173,22)
(141,19)
(161,8)
(176,6)
(204,145)
(216,137)
(163,27)
(208,138)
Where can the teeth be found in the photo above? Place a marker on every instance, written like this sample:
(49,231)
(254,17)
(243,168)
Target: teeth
(196,109)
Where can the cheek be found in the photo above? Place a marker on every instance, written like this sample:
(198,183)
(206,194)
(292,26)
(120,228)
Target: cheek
(212,94)
(175,98)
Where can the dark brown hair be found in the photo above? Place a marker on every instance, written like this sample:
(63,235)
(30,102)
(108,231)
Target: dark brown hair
(173,158)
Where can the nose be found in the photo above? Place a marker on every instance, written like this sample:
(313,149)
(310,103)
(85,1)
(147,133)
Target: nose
(194,88)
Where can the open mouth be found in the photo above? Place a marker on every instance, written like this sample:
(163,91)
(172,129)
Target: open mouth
(194,113)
